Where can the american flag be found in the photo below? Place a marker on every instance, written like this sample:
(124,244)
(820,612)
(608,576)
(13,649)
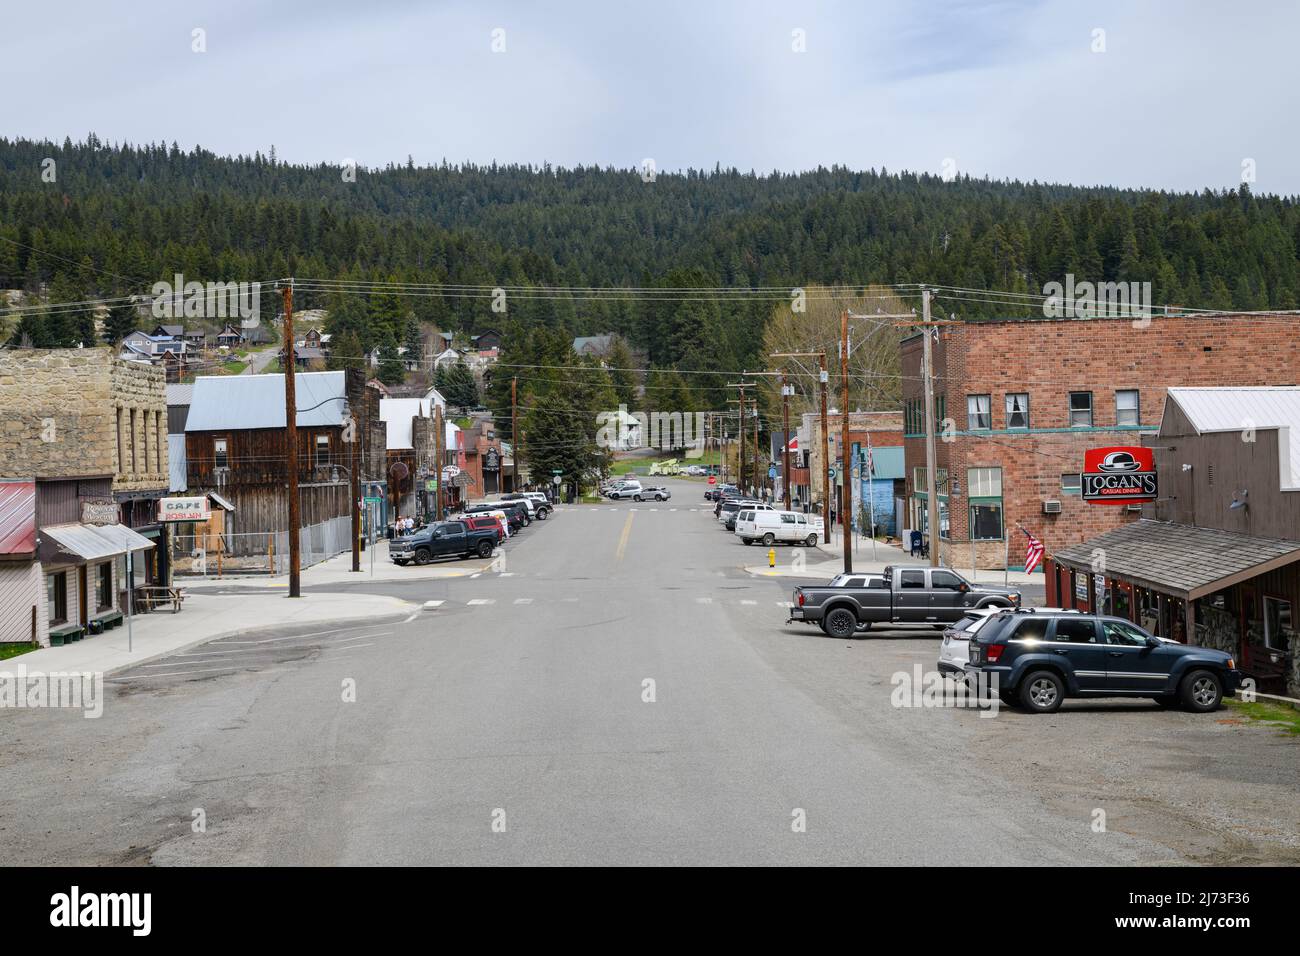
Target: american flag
(1033,552)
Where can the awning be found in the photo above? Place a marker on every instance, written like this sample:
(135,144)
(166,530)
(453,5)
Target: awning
(221,502)
(87,542)
(1179,559)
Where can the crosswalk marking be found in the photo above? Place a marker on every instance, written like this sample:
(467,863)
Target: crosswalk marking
(523,600)
(434,603)
(477,601)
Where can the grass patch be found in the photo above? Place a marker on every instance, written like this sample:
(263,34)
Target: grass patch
(1283,718)
(13,650)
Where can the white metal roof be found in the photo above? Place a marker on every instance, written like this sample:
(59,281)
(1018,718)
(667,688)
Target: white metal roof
(1239,409)
(397,414)
(223,402)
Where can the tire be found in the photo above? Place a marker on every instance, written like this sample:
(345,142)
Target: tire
(422,556)
(747,540)
(636,497)
(1201,691)
(485,549)
(1042,692)
(810,541)
(1008,698)
(769,539)
(402,563)
(840,622)
(1167,700)
(660,498)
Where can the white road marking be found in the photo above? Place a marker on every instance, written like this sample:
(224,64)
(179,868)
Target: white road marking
(507,574)
(523,600)
(476,574)
(704,600)
(434,603)
(477,601)
(785,604)
(748,602)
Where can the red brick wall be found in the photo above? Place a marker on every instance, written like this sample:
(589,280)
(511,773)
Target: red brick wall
(1051,358)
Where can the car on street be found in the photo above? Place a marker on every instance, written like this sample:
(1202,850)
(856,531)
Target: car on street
(537,510)
(489,520)
(717,492)
(516,518)
(624,489)
(440,540)
(902,595)
(770,526)
(727,509)
(652,493)
(954,651)
(1037,659)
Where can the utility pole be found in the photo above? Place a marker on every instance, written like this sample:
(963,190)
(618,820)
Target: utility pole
(291,435)
(785,437)
(758,480)
(844,439)
(354,487)
(740,429)
(927,376)
(514,434)
(440,430)
(823,378)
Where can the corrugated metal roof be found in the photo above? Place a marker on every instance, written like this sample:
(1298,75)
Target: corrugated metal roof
(177,463)
(1180,558)
(226,402)
(92,542)
(1228,409)
(17,517)
(179,394)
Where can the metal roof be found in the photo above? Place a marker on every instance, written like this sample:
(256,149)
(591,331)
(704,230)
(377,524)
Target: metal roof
(228,402)
(1181,559)
(177,463)
(90,542)
(1231,409)
(17,517)
(179,394)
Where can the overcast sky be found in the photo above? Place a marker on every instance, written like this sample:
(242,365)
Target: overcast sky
(1183,94)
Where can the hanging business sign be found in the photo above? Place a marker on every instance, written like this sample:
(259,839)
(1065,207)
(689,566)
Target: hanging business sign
(99,511)
(1123,475)
(491,462)
(193,508)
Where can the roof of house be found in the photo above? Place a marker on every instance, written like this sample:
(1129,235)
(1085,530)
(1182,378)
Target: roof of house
(1182,559)
(221,402)
(596,342)
(397,414)
(173,330)
(1230,409)
(17,517)
(180,394)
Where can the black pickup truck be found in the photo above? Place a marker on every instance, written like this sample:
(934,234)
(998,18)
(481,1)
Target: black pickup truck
(441,540)
(901,595)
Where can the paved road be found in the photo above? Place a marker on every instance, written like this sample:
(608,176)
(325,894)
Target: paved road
(518,698)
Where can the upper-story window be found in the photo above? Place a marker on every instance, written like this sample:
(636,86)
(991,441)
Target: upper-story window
(979,412)
(322,450)
(1127,407)
(1017,410)
(220,456)
(1080,409)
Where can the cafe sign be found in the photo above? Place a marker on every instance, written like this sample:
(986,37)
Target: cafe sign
(1121,475)
(184,509)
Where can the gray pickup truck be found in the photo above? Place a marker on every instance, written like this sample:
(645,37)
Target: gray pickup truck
(901,595)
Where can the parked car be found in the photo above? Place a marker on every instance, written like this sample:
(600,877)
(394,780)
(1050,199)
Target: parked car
(904,595)
(625,489)
(728,507)
(444,539)
(537,510)
(489,520)
(954,652)
(652,493)
(715,492)
(771,526)
(1040,658)
(516,518)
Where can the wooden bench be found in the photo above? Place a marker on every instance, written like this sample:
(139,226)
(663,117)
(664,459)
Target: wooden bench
(65,634)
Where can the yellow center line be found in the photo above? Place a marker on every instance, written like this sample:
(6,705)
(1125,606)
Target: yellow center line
(622,541)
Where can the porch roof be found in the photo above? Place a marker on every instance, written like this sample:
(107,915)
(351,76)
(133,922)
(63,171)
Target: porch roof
(1179,559)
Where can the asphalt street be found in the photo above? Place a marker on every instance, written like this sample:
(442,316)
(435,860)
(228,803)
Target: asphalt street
(618,691)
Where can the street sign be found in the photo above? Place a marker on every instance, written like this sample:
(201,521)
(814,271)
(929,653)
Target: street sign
(713,479)
(833,472)
(374,501)
(556,471)
(431,484)
(556,479)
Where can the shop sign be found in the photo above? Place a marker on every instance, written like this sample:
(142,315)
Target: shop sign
(1122,475)
(193,508)
(99,511)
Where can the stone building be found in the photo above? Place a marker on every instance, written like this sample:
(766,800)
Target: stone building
(83,450)
(1019,401)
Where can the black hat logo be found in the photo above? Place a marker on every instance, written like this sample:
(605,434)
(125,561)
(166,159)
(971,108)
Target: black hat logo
(1119,461)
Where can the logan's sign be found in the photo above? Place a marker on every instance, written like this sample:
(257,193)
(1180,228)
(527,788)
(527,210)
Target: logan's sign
(183,509)
(1121,475)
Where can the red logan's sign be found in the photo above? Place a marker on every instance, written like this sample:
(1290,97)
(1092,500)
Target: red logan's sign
(1120,475)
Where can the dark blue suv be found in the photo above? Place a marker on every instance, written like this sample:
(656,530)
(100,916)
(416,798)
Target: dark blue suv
(1039,659)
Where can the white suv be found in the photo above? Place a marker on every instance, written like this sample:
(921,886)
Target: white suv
(625,489)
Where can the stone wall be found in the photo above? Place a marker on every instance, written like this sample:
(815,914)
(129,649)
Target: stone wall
(66,412)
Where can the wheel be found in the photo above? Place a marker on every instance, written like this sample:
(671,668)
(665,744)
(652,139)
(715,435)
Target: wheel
(841,622)
(636,497)
(810,541)
(422,556)
(747,540)
(1008,698)
(1201,691)
(659,497)
(1167,700)
(402,563)
(485,549)
(769,539)
(1042,692)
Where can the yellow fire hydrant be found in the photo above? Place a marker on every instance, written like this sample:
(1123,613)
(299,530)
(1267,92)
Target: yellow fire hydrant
(771,557)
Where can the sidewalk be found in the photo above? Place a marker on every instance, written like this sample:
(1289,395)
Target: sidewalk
(827,560)
(338,570)
(206,617)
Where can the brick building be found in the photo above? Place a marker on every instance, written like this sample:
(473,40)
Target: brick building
(1019,401)
(884,431)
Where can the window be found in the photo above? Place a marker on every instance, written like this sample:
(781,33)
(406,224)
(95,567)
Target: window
(1017,410)
(1081,409)
(979,414)
(913,579)
(56,594)
(984,485)
(1071,484)
(1076,630)
(1030,629)
(1126,407)
(946,580)
(322,450)
(787,519)
(219,457)
(1277,622)
(1117,632)
(104,586)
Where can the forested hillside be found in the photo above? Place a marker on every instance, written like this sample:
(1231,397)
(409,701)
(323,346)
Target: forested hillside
(116,219)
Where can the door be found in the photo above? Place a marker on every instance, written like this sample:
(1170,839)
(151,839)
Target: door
(788,529)
(1076,640)
(452,539)
(911,599)
(1132,666)
(946,595)
(82,618)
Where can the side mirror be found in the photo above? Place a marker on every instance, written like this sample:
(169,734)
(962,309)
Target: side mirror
(1153,641)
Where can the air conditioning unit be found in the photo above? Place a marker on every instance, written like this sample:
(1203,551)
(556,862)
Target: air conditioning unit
(1137,508)
(1051,507)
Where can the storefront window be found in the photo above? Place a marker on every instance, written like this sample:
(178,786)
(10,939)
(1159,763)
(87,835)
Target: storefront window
(56,593)
(985,488)
(104,586)
(1277,623)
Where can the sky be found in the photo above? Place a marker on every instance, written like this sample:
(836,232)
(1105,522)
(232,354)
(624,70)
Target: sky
(1170,95)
